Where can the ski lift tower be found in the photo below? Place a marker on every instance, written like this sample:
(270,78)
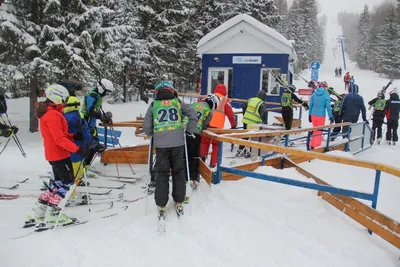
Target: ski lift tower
(340,40)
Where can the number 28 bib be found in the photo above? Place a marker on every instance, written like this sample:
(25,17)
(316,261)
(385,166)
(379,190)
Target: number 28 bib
(167,115)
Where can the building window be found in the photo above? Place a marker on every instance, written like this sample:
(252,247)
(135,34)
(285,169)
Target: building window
(268,82)
(220,75)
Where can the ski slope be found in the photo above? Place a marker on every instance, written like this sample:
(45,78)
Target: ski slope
(243,223)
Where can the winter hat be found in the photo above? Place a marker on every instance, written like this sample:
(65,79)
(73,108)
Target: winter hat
(220,89)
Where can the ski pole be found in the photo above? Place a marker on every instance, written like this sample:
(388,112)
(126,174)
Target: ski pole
(123,152)
(187,172)
(87,190)
(150,159)
(5,145)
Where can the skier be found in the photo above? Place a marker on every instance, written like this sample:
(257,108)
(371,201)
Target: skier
(336,72)
(254,111)
(163,121)
(346,80)
(336,115)
(81,133)
(92,110)
(5,130)
(218,121)
(392,118)
(204,110)
(352,80)
(319,105)
(287,99)
(352,105)
(340,71)
(57,147)
(379,104)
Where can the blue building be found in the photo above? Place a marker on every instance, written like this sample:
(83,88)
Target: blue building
(236,54)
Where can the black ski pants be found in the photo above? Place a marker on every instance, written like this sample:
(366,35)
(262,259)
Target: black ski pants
(391,134)
(338,119)
(241,147)
(287,115)
(170,159)
(193,150)
(93,151)
(377,128)
(63,170)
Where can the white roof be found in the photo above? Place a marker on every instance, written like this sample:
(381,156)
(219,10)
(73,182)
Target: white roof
(252,26)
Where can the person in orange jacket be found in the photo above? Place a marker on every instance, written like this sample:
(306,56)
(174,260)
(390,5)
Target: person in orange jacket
(346,80)
(58,144)
(223,110)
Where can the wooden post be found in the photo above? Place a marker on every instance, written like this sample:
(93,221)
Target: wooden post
(33,120)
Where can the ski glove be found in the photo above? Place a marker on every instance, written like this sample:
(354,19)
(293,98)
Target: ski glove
(332,120)
(84,152)
(190,135)
(78,136)
(305,105)
(106,117)
(309,118)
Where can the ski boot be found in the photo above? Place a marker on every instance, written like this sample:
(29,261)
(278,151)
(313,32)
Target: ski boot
(247,154)
(194,184)
(394,143)
(39,212)
(389,143)
(54,218)
(77,199)
(239,153)
(378,141)
(179,209)
(151,187)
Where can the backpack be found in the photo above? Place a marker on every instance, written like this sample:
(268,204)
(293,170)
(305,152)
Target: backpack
(3,104)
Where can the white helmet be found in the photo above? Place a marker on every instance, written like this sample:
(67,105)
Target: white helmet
(57,93)
(213,101)
(104,86)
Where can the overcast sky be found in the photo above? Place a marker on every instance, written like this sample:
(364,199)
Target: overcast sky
(334,6)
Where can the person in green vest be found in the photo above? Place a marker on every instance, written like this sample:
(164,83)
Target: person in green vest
(163,122)
(92,110)
(336,106)
(254,112)
(204,110)
(380,106)
(287,99)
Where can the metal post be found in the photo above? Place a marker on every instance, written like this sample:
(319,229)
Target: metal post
(362,140)
(219,172)
(328,140)
(344,57)
(308,140)
(301,112)
(375,193)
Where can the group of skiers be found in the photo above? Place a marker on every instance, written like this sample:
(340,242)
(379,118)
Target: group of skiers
(70,144)
(348,80)
(338,72)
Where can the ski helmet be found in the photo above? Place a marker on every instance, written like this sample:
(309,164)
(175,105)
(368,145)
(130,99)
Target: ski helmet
(213,101)
(323,85)
(166,89)
(393,91)
(104,86)
(292,88)
(72,103)
(56,94)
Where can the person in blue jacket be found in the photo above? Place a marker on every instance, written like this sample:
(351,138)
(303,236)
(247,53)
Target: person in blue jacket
(352,106)
(78,127)
(319,105)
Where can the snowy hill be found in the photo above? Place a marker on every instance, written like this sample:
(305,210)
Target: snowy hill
(243,223)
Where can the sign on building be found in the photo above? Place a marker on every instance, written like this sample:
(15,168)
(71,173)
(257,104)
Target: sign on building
(246,60)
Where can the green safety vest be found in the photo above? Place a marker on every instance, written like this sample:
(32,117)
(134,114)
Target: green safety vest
(252,116)
(202,110)
(97,105)
(337,105)
(167,115)
(287,100)
(380,104)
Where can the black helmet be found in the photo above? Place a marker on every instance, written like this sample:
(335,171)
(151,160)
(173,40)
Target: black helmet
(262,95)
(292,88)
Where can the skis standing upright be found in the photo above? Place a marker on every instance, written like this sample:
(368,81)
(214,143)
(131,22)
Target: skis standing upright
(279,80)
(383,91)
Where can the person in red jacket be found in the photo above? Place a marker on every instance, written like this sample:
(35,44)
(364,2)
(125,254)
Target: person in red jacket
(223,110)
(58,144)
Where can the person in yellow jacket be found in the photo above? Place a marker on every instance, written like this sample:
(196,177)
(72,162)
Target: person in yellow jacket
(218,121)
(254,111)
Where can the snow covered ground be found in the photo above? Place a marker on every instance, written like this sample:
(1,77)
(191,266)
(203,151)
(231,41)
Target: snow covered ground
(244,223)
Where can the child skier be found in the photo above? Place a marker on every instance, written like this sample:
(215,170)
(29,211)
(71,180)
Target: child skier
(379,104)
(57,147)
(204,110)
(92,109)
(254,111)
(163,121)
(81,133)
(392,118)
(287,99)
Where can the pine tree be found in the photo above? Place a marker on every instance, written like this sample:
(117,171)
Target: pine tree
(283,10)
(389,45)
(364,32)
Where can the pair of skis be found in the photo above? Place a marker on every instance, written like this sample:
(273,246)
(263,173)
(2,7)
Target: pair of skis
(14,185)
